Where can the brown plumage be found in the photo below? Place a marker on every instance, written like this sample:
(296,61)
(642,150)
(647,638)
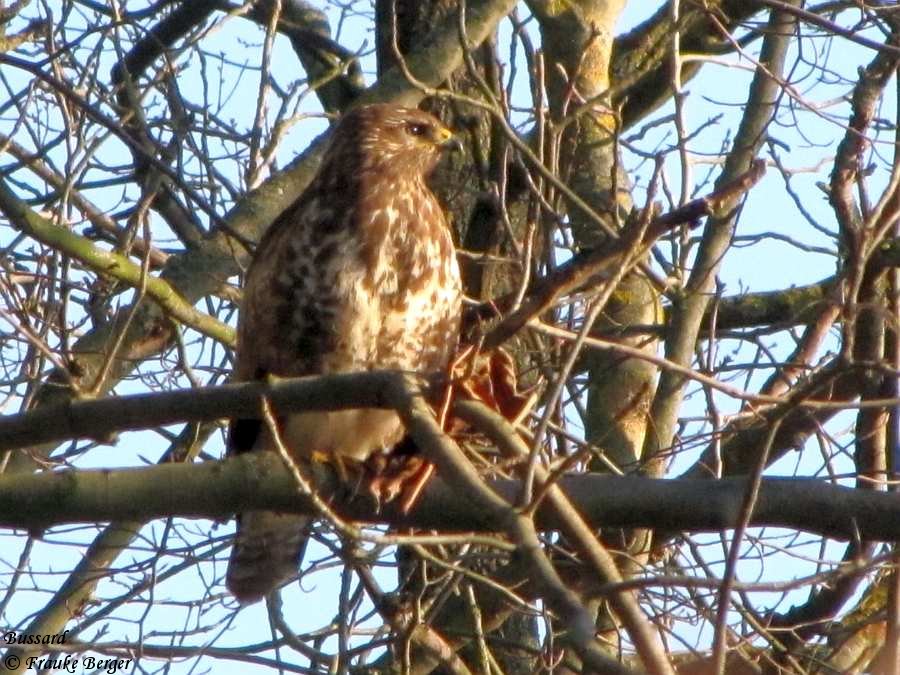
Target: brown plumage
(358,274)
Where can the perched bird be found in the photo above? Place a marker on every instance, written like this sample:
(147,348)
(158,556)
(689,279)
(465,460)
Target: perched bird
(359,273)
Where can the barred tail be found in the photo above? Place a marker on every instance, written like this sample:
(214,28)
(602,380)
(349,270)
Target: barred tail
(267,551)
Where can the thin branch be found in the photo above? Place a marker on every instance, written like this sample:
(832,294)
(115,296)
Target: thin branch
(109,263)
(584,267)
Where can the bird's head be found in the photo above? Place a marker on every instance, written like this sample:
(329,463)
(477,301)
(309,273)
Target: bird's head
(390,136)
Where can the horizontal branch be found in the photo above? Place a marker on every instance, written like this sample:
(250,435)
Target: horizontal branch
(99,419)
(216,489)
(796,305)
(258,481)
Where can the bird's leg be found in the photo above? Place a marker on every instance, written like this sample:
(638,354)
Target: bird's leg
(350,472)
(392,476)
(405,476)
(424,472)
(334,460)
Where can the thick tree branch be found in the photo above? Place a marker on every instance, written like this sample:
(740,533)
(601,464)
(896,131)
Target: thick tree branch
(216,489)
(251,481)
(180,21)
(102,417)
(640,66)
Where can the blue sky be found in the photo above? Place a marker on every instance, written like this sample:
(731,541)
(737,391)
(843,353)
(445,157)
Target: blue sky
(805,137)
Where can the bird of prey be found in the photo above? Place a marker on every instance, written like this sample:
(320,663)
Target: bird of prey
(359,273)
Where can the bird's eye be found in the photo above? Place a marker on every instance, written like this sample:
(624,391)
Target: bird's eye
(416,129)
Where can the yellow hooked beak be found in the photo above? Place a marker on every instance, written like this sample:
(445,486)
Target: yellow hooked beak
(445,139)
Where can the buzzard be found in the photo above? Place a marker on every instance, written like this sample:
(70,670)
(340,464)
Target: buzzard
(359,273)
